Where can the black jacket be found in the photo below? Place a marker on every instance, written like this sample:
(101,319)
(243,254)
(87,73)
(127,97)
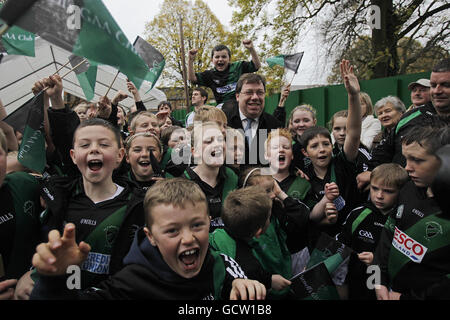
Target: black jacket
(267,122)
(390,148)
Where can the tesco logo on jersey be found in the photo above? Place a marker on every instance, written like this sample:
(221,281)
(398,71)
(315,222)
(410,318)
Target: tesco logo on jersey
(408,246)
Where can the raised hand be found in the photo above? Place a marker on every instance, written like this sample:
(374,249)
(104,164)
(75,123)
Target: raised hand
(120,96)
(131,87)
(104,108)
(192,54)
(348,76)
(55,256)
(55,86)
(247,43)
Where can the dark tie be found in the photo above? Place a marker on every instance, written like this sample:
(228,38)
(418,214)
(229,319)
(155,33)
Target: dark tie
(248,131)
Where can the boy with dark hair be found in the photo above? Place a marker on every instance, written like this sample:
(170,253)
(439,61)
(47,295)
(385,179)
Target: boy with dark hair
(223,77)
(415,242)
(170,258)
(362,228)
(341,169)
(199,98)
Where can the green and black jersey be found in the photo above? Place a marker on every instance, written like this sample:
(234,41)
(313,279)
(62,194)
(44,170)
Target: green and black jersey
(223,83)
(228,181)
(19,222)
(414,249)
(108,227)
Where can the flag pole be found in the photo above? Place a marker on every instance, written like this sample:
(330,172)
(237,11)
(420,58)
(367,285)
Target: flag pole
(66,72)
(293,78)
(73,68)
(183,63)
(117,74)
(3,29)
(57,71)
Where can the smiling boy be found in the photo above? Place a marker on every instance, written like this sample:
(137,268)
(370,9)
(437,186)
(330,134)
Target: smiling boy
(106,212)
(223,77)
(169,259)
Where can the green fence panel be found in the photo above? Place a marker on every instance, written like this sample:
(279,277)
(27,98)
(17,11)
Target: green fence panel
(337,100)
(179,114)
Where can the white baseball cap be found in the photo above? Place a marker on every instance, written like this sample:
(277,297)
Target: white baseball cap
(421,82)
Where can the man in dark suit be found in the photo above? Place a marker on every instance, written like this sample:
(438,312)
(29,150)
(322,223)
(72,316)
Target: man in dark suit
(248,115)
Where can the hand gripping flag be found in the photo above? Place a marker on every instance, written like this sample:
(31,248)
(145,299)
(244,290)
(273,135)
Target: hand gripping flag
(86,74)
(288,61)
(87,29)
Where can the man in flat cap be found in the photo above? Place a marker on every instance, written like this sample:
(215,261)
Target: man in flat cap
(420,93)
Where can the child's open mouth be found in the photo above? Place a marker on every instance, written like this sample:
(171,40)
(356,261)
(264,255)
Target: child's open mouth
(189,257)
(95,165)
(216,153)
(144,163)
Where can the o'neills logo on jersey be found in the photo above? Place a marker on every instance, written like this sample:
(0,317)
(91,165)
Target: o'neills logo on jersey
(408,246)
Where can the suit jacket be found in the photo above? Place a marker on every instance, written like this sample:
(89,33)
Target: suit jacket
(267,123)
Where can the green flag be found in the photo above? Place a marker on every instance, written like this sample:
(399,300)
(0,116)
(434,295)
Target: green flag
(288,61)
(32,149)
(86,74)
(87,29)
(17,41)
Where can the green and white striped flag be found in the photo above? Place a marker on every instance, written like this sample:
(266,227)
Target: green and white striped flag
(288,61)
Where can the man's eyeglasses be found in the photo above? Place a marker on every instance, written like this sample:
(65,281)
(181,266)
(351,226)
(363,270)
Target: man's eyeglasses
(259,93)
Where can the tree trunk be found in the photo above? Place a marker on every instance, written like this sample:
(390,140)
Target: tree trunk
(384,42)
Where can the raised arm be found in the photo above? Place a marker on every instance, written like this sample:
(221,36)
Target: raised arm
(351,83)
(255,58)
(191,72)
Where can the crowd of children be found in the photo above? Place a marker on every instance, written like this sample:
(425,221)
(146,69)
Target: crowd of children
(150,207)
